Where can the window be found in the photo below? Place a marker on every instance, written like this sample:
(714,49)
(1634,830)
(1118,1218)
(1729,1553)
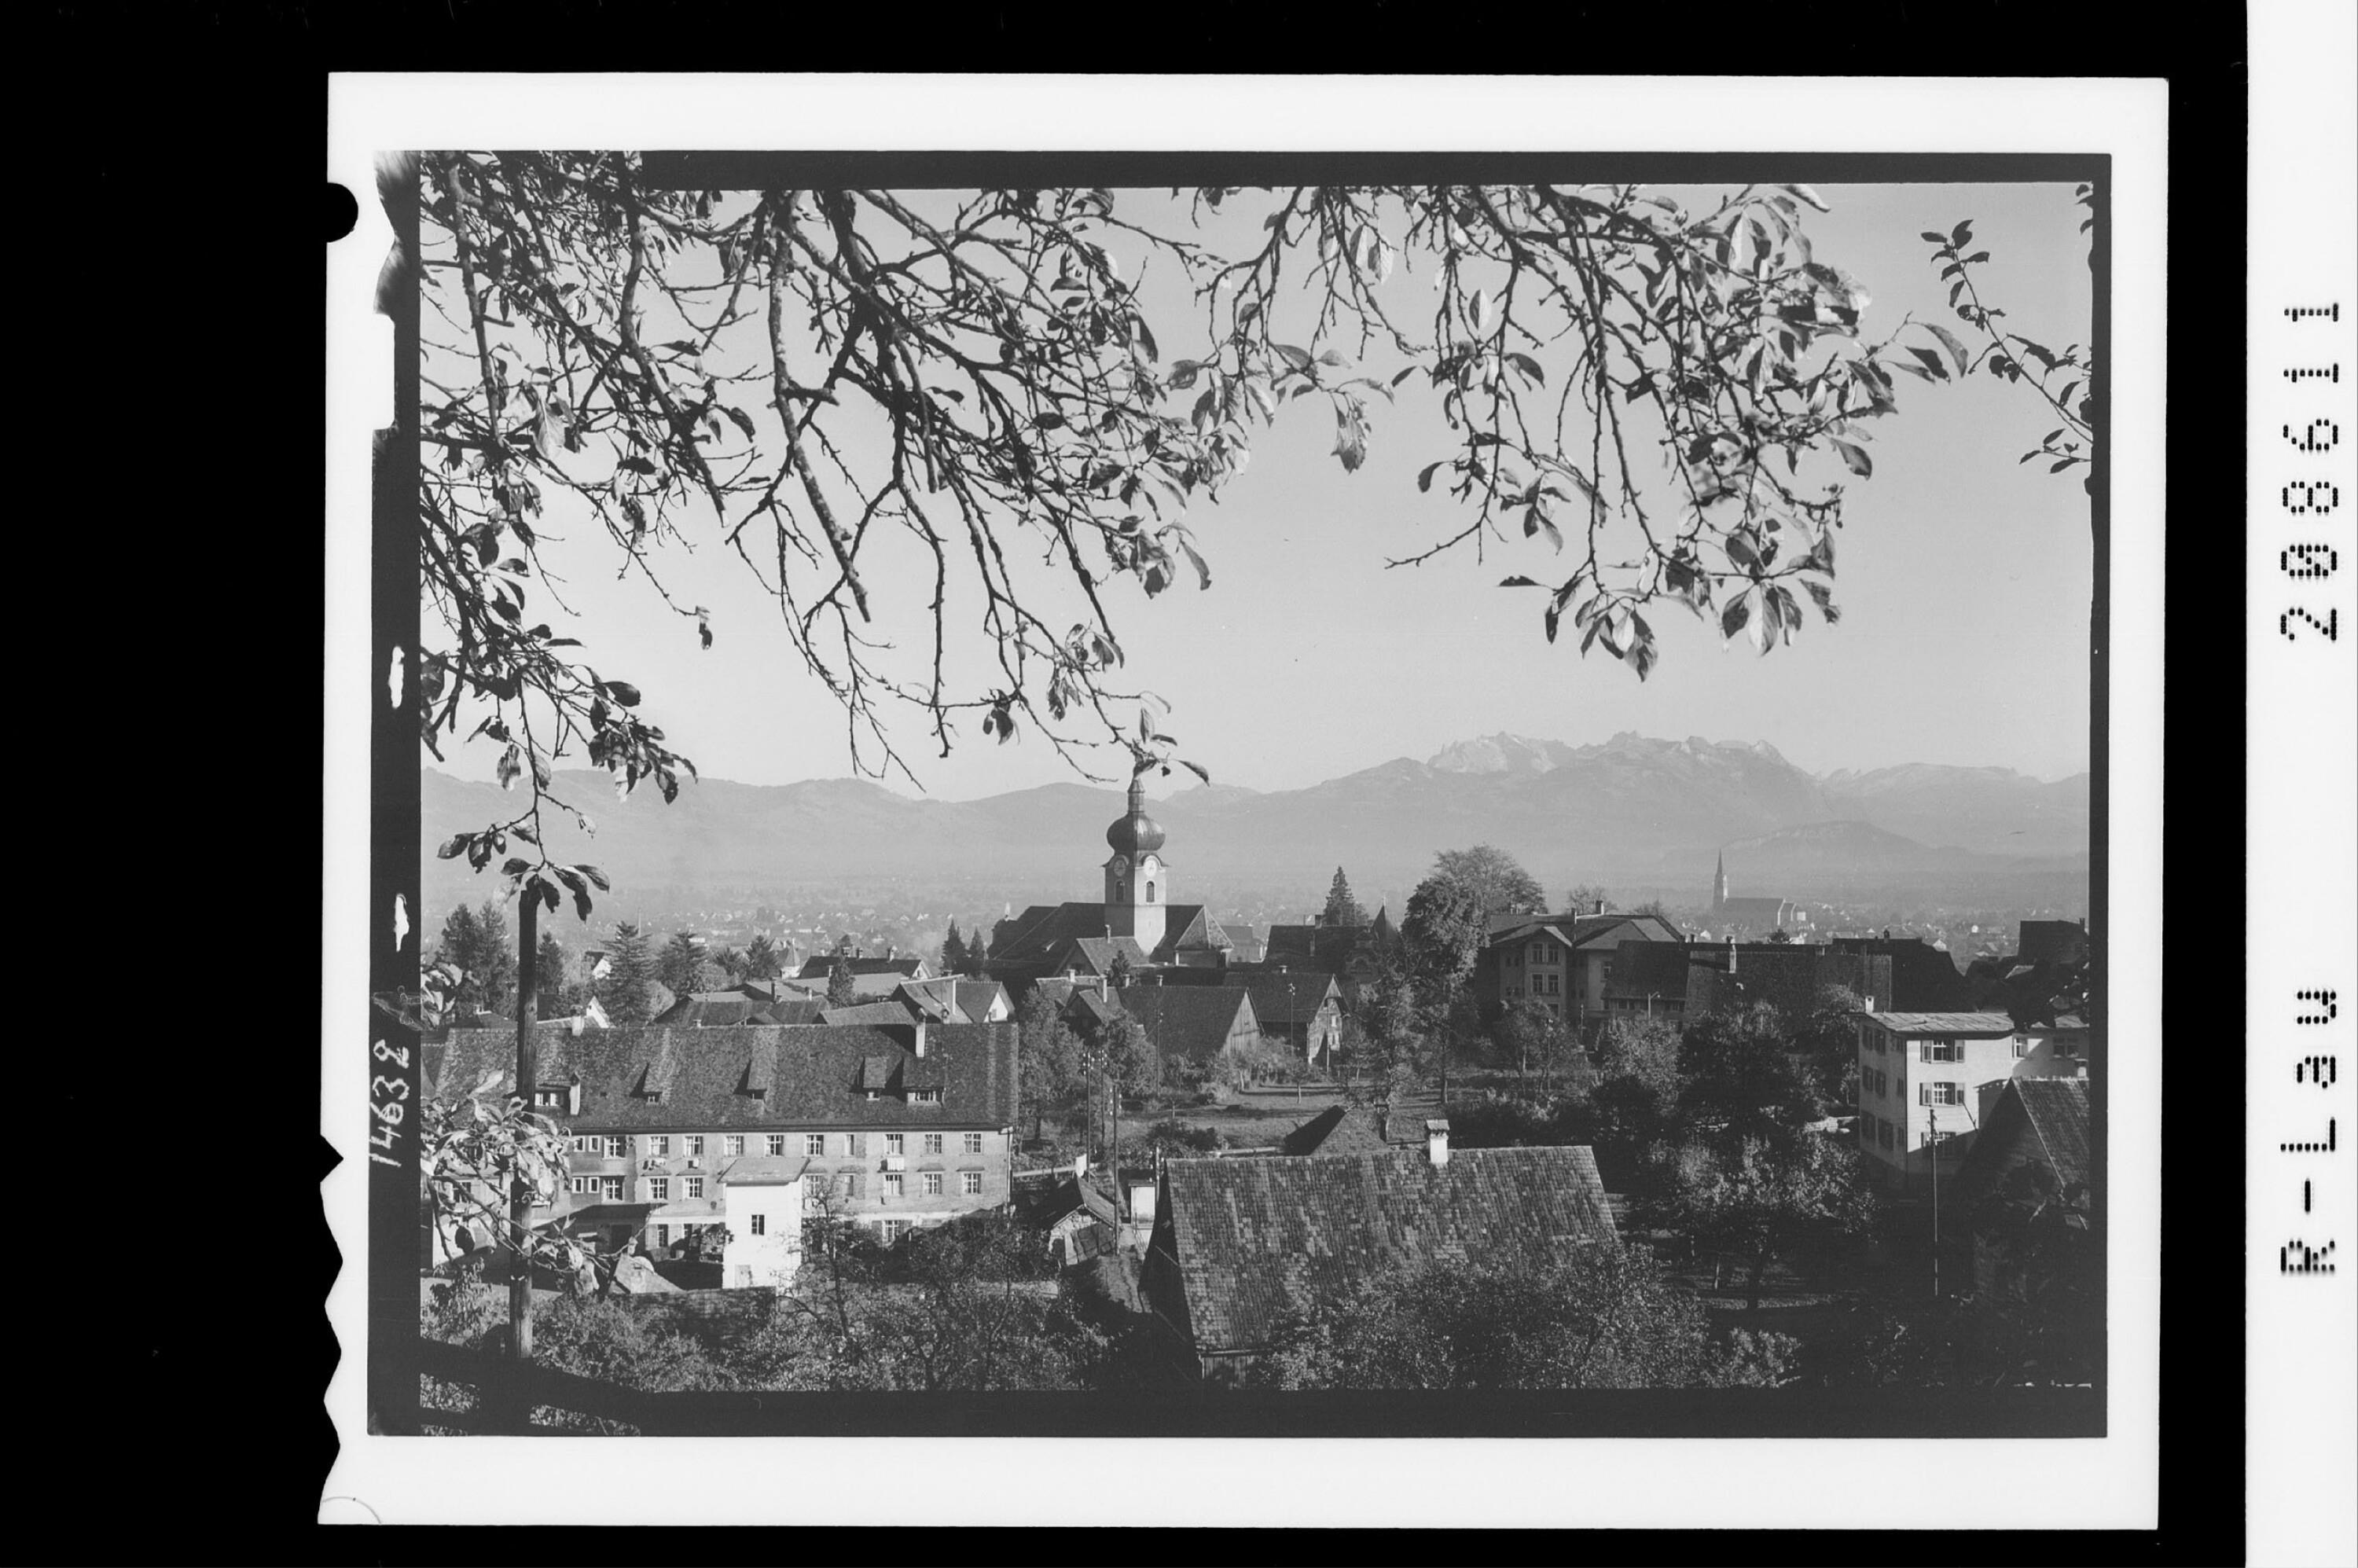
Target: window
(1883,1133)
(776,1143)
(548,1099)
(814,1144)
(933,1143)
(617,1147)
(848,1180)
(732,1144)
(932,1183)
(892,1230)
(894,1182)
(1939,1094)
(895,1142)
(696,1145)
(610,1188)
(583,1185)
(926,1096)
(2065,1046)
(662,1235)
(696,1187)
(659,1189)
(1940,1051)
(2021,1046)
(759,1224)
(659,1146)
(970,1182)
(1150,892)
(974,1142)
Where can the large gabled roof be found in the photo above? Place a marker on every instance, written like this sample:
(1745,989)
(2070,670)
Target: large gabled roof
(1252,1238)
(1193,1022)
(756,1076)
(1035,939)
(2045,1117)
(1608,930)
(1989,1024)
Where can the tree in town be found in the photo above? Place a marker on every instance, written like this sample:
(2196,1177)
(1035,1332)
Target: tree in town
(476,941)
(627,993)
(1602,1317)
(842,988)
(548,972)
(1117,971)
(727,961)
(1441,936)
(1342,909)
(1390,1023)
(1496,880)
(681,964)
(1668,396)
(1655,907)
(1528,1035)
(1744,1072)
(762,959)
(953,953)
(461,949)
(1586,898)
(1052,1074)
(1128,1054)
(1754,1201)
(1636,1092)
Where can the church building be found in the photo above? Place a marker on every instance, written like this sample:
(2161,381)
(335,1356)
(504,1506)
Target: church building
(1762,915)
(1135,918)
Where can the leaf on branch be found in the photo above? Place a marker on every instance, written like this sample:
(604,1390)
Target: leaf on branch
(1529,366)
(1949,342)
(1424,480)
(454,847)
(1522,582)
(1732,618)
(623,692)
(1479,312)
(511,766)
(1856,457)
(1808,196)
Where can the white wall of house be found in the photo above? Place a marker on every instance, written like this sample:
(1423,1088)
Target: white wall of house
(765,1232)
(1919,1091)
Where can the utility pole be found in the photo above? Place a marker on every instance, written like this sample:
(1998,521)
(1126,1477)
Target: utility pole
(527,1072)
(1932,1151)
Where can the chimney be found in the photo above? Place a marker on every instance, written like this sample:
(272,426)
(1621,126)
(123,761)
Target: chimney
(1731,952)
(1600,906)
(921,1037)
(1437,1142)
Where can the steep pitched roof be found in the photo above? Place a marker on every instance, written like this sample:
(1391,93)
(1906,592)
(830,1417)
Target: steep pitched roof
(1289,998)
(1583,931)
(757,1077)
(877,1014)
(1337,1129)
(1327,947)
(1193,1022)
(1249,1240)
(2046,1119)
(1033,940)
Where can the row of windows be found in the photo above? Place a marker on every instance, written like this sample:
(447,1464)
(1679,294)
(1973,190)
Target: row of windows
(846,1182)
(658,1145)
(1547,985)
(1875,1131)
(1939,1094)
(1873,1080)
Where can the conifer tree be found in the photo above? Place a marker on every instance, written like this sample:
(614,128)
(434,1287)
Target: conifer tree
(1342,909)
(841,989)
(628,992)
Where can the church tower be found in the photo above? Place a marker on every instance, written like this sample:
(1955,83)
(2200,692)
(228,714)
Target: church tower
(1137,882)
(1719,885)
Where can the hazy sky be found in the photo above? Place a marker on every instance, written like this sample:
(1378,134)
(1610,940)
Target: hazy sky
(1966,580)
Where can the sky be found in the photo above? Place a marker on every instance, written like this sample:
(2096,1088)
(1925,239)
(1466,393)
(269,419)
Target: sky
(1964,584)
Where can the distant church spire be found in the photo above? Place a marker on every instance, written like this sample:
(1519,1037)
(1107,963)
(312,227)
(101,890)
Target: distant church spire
(1719,885)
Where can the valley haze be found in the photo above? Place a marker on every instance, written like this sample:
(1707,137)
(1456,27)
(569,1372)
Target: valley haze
(1632,812)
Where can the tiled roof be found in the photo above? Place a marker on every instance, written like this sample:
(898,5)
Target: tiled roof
(1990,1023)
(874,1013)
(1327,947)
(803,1010)
(1337,1129)
(1281,999)
(814,1076)
(1585,930)
(1193,1022)
(1032,938)
(976,997)
(820,967)
(706,1011)
(1251,1238)
(2046,1119)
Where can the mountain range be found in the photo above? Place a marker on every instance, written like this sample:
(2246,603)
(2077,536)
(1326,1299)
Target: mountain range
(1631,811)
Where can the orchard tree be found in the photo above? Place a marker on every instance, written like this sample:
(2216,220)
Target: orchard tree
(1742,1073)
(1441,938)
(1653,401)
(1496,880)
(1755,1200)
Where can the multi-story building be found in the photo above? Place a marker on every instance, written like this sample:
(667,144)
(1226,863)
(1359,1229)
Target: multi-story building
(1561,961)
(1926,1079)
(898,1127)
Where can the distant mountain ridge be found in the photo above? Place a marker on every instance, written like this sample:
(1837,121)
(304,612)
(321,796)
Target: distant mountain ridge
(1629,811)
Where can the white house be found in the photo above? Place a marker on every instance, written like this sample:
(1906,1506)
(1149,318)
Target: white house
(761,1203)
(1926,1080)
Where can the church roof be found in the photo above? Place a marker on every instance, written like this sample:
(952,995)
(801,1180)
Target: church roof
(1035,939)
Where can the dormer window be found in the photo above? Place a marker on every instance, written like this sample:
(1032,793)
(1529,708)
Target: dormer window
(547,1098)
(925,1097)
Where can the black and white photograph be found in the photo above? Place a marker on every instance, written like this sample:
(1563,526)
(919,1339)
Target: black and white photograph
(1283,795)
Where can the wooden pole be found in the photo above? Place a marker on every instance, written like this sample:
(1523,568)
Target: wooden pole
(527,1084)
(1933,1148)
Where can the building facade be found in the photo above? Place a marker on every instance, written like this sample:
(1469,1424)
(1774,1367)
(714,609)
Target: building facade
(1925,1078)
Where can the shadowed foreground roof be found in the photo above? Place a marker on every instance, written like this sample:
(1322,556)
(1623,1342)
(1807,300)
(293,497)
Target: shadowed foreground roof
(1337,1129)
(1187,1021)
(1252,1238)
(2052,1113)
